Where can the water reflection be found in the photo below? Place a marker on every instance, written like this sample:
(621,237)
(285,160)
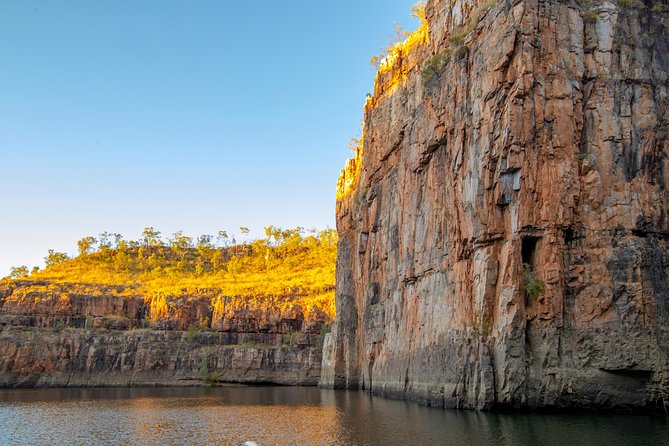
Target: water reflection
(285,416)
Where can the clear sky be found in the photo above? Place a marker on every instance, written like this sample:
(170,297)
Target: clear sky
(198,115)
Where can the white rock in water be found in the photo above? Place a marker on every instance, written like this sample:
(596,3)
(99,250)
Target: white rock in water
(250,443)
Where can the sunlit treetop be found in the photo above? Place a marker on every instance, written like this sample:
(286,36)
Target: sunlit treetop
(287,262)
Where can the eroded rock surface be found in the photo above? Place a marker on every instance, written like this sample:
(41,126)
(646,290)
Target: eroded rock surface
(92,335)
(81,358)
(504,230)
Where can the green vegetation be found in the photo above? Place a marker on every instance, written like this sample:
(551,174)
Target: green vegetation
(192,334)
(206,375)
(590,16)
(628,3)
(459,35)
(291,338)
(435,65)
(396,41)
(320,340)
(291,262)
(18,272)
(533,286)
(55,258)
(361,196)
(458,50)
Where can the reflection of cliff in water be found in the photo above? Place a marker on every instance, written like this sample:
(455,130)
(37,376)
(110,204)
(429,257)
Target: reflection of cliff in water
(289,415)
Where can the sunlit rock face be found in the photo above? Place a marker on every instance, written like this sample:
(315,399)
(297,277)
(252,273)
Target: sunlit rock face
(506,242)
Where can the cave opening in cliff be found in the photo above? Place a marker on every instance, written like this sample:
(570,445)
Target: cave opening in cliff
(528,250)
(568,235)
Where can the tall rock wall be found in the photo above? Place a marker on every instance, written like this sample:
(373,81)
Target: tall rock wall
(504,228)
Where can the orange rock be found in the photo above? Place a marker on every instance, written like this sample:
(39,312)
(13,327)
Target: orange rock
(506,236)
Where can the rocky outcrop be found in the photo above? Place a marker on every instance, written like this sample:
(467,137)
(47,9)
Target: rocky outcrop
(504,229)
(61,334)
(84,358)
(47,304)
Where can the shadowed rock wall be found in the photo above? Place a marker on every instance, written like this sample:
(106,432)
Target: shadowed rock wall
(77,358)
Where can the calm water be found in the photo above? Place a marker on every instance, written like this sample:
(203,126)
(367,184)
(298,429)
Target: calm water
(289,416)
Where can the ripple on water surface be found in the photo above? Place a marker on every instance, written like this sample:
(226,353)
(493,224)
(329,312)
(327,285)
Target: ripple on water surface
(289,416)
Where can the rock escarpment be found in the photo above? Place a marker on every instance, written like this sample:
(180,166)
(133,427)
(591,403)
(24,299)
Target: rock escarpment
(92,335)
(92,358)
(504,228)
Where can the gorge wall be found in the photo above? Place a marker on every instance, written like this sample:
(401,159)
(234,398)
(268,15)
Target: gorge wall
(504,226)
(74,335)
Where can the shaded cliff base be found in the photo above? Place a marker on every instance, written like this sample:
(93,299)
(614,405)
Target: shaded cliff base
(31,357)
(460,373)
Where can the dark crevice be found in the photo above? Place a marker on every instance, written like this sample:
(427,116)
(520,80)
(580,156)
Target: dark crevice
(568,235)
(528,249)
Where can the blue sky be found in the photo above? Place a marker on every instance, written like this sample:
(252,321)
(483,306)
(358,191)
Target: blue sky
(194,115)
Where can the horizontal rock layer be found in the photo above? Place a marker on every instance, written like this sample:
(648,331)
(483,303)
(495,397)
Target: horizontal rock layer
(504,230)
(91,335)
(45,304)
(84,358)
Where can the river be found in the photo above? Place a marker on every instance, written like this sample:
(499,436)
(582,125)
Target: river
(291,416)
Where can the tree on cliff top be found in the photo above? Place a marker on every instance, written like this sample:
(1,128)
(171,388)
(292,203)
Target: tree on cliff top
(85,245)
(54,258)
(286,262)
(16,272)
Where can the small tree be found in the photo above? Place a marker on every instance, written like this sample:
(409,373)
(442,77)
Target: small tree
(533,285)
(419,11)
(222,238)
(103,238)
(205,251)
(397,38)
(181,246)
(151,237)
(118,238)
(245,232)
(16,272)
(55,258)
(86,245)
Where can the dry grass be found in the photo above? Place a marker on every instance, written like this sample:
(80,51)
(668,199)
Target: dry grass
(292,266)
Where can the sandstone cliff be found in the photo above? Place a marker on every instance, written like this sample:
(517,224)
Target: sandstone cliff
(84,358)
(504,227)
(55,334)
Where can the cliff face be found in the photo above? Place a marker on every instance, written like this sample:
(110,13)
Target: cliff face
(43,304)
(92,335)
(504,230)
(79,358)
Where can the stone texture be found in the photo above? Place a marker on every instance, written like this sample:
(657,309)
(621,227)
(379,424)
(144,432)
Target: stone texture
(90,335)
(82,358)
(48,305)
(538,152)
